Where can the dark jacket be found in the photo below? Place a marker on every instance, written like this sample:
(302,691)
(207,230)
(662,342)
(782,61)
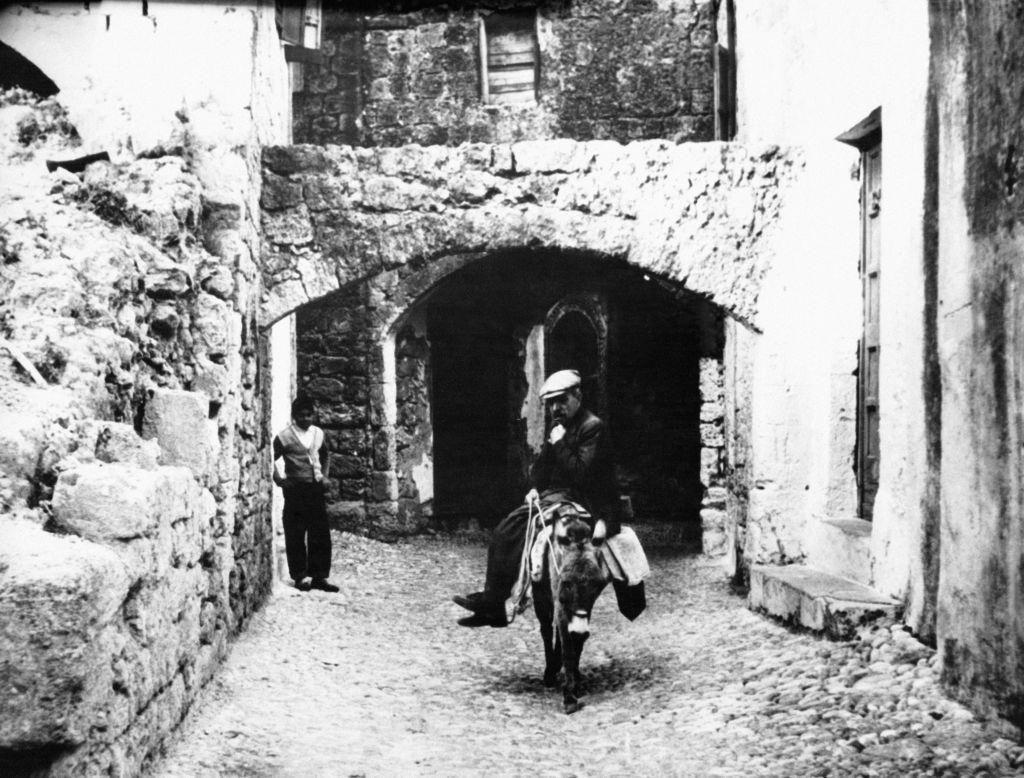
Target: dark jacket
(580,465)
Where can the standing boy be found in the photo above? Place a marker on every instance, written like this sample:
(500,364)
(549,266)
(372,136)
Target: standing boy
(307,538)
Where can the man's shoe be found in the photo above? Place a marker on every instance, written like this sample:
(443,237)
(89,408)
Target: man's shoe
(323,585)
(473,602)
(304,584)
(489,619)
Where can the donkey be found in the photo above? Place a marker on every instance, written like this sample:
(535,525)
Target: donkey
(571,579)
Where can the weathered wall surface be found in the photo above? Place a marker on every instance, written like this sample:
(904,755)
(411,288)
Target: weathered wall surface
(980,339)
(699,214)
(131,286)
(611,69)
(791,55)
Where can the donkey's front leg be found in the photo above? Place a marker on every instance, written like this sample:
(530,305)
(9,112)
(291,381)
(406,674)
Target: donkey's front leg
(545,610)
(574,634)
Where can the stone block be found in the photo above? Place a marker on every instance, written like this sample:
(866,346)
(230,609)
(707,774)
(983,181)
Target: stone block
(712,411)
(22,440)
(113,442)
(211,379)
(279,193)
(383,443)
(351,442)
(169,282)
(348,516)
(106,502)
(712,435)
(714,543)
(179,422)
(217,281)
(816,600)
(383,487)
(292,226)
(212,325)
(549,156)
(58,596)
(347,466)
(710,464)
(285,160)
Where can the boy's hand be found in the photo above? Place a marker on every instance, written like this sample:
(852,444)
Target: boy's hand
(280,480)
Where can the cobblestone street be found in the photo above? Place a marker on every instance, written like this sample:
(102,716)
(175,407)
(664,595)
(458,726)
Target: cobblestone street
(379,681)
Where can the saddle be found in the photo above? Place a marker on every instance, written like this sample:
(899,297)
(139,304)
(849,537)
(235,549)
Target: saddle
(621,556)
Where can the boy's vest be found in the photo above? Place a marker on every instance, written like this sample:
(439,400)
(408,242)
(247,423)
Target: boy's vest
(301,463)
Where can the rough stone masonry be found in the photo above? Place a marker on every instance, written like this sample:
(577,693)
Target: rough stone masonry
(136,534)
(388,224)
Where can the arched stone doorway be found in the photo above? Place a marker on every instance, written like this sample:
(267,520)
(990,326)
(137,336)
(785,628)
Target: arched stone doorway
(361,243)
(576,337)
(427,387)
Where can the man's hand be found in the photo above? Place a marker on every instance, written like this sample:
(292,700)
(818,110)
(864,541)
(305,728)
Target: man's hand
(600,532)
(556,434)
(531,497)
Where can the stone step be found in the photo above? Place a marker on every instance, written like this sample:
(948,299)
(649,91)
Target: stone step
(819,601)
(841,547)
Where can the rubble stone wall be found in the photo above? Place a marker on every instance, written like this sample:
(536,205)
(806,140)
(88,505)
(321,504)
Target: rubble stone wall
(713,460)
(608,70)
(134,505)
(699,214)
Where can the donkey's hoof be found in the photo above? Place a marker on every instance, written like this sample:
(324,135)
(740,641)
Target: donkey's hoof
(551,678)
(572,707)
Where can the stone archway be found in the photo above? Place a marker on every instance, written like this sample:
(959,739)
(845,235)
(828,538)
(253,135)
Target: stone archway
(701,214)
(354,237)
(576,337)
(422,385)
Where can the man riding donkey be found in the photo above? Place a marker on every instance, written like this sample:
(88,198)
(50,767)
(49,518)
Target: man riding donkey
(574,466)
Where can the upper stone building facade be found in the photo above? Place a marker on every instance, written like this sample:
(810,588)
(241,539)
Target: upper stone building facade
(394,73)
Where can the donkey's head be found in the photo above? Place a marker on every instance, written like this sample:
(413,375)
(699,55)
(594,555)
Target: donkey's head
(582,577)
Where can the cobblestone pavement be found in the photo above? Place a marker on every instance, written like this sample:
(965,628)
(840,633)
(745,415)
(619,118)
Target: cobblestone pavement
(379,681)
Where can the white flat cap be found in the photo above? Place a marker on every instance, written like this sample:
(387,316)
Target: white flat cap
(559,383)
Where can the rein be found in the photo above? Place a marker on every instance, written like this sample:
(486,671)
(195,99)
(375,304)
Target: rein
(534,523)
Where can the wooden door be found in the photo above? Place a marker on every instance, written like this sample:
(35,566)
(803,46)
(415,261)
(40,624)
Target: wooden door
(870,267)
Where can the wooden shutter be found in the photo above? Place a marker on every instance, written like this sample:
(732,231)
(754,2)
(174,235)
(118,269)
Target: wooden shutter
(509,56)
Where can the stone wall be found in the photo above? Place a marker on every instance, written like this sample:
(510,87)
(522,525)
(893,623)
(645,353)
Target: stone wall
(703,215)
(608,70)
(135,508)
(713,460)
(979,336)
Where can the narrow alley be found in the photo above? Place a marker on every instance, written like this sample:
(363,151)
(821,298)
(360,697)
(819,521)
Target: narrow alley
(379,681)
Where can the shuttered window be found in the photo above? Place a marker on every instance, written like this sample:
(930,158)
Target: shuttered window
(508,53)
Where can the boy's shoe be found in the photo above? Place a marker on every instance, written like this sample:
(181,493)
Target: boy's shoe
(304,584)
(323,585)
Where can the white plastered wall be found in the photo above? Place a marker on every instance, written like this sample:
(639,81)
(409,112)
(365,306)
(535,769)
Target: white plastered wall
(807,71)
